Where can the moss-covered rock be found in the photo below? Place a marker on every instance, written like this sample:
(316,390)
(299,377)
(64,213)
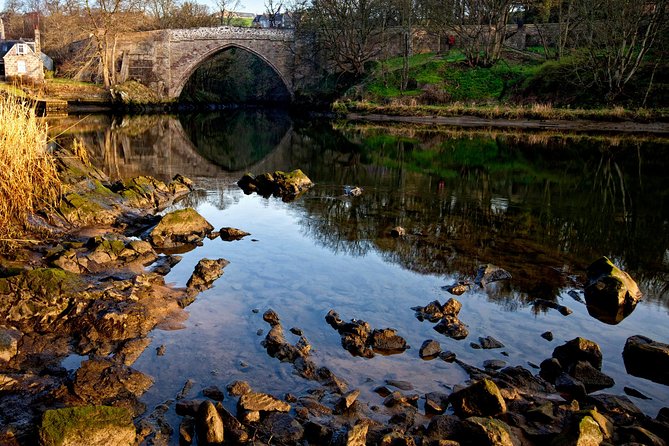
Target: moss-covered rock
(80,209)
(184,226)
(145,191)
(9,343)
(584,431)
(610,293)
(481,399)
(87,425)
(482,431)
(287,185)
(133,93)
(37,297)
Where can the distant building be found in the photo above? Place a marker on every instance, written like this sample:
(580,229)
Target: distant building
(22,59)
(284,20)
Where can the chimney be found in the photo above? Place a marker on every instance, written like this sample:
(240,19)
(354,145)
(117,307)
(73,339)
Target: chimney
(2,29)
(38,46)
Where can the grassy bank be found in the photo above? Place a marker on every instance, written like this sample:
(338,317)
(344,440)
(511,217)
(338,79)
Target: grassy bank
(518,87)
(502,111)
(28,176)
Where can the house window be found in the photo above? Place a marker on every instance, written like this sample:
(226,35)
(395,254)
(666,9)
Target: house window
(21,66)
(20,48)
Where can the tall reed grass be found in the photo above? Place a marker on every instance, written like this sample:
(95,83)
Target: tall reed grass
(28,175)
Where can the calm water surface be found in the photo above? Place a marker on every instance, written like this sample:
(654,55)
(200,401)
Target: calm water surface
(542,206)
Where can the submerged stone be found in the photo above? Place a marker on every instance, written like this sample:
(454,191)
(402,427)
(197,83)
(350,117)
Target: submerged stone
(452,327)
(430,349)
(229,234)
(205,274)
(253,401)
(490,273)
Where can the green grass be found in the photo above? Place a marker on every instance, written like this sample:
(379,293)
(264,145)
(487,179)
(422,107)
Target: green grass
(11,89)
(241,21)
(447,77)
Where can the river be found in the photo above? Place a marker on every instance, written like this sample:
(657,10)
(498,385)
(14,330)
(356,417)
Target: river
(540,205)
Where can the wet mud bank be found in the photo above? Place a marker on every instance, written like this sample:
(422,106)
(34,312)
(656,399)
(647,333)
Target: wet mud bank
(95,293)
(577,125)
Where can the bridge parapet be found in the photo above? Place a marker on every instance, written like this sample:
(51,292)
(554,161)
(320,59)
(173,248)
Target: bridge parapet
(232,32)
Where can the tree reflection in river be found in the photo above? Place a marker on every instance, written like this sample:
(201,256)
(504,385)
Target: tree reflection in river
(542,206)
(543,212)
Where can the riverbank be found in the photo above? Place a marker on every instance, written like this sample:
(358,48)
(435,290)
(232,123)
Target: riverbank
(557,117)
(81,97)
(540,124)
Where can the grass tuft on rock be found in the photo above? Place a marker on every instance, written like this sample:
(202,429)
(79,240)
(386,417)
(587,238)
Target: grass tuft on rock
(28,175)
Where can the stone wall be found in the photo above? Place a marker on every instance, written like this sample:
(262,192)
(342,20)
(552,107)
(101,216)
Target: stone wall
(164,60)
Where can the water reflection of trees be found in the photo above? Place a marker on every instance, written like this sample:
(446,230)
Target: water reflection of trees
(542,206)
(541,212)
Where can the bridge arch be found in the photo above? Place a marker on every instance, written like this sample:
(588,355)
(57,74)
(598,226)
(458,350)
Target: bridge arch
(185,74)
(189,48)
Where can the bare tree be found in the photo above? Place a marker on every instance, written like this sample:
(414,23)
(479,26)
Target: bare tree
(162,11)
(226,8)
(620,33)
(273,9)
(106,19)
(350,31)
(480,26)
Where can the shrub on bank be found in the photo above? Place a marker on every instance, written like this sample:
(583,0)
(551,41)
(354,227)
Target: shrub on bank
(28,175)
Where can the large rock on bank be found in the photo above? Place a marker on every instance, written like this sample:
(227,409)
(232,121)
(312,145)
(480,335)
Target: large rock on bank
(482,398)
(178,228)
(610,293)
(647,358)
(87,425)
(36,299)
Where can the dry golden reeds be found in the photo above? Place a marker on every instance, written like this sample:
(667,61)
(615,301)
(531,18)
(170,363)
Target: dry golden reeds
(28,176)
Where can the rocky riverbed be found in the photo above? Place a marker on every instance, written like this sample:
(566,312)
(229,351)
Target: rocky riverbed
(97,290)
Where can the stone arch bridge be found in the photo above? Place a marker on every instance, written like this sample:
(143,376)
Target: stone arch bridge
(164,60)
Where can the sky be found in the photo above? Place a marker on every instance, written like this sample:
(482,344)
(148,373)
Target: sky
(256,6)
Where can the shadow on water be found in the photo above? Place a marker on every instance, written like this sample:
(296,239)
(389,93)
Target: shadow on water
(239,139)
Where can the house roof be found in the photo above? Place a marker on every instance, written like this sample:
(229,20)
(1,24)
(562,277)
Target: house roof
(7,45)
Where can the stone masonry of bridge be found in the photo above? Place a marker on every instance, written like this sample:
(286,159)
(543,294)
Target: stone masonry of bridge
(164,60)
